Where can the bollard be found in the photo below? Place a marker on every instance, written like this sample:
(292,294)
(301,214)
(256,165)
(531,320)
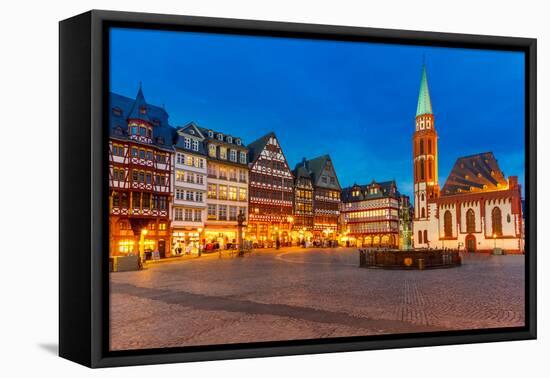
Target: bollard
(420,264)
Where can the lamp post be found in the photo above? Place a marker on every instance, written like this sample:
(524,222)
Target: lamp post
(199,249)
(142,244)
(240,220)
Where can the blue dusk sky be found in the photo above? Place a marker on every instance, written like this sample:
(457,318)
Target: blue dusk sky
(354,101)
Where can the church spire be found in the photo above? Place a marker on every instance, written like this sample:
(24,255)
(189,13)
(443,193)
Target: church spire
(424,102)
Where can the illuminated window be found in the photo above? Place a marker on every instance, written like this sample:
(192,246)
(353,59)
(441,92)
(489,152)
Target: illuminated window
(222,192)
(496,219)
(448,224)
(211,211)
(212,191)
(233,155)
(470,221)
(222,212)
(212,150)
(223,153)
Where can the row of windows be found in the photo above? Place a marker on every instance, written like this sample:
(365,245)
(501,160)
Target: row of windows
(328,194)
(271,180)
(373,227)
(304,194)
(189,177)
(273,164)
(140,200)
(141,153)
(125,225)
(220,212)
(220,136)
(140,130)
(189,195)
(325,179)
(496,222)
(372,214)
(224,173)
(189,160)
(221,152)
(224,192)
(277,195)
(188,215)
(304,207)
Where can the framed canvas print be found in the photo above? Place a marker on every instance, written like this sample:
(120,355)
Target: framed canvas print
(233,188)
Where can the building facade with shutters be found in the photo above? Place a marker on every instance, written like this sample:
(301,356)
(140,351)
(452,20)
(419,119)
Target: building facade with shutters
(189,182)
(227,187)
(478,209)
(140,168)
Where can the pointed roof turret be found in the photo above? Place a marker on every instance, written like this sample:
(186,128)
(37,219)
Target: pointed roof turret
(139,110)
(424,102)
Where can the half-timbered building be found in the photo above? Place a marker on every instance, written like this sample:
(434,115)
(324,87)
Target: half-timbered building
(371,214)
(303,203)
(326,197)
(140,166)
(271,193)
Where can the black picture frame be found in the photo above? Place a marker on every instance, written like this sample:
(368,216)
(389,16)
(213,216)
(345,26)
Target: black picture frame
(83,267)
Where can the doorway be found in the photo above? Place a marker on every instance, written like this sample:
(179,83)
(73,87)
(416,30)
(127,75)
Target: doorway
(470,243)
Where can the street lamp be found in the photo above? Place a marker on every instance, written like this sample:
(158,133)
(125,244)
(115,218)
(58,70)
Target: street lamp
(142,244)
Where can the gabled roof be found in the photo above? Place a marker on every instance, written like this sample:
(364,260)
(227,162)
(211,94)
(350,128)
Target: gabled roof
(301,170)
(475,173)
(384,190)
(316,167)
(119,111)
(255,148)
(192,130)
(424,105)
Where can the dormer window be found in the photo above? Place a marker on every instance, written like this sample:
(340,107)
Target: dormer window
(117,111)
(220,137)
(238,141)
(133,130)
(142,131)
(143,110)
(210,134)
(195,145)
(192,132)
(118,130)
(229,139)
(187,143)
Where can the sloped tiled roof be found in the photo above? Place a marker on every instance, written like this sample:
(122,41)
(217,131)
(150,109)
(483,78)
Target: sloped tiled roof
(385,190)
(120,110)
(475,173)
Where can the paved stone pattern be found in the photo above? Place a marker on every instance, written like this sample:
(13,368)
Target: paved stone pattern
(302,294)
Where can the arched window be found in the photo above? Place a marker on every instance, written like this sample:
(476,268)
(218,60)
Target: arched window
(429,146)
(421,146)
(448,224)
(429,169)
(496,220)
(422,169)
(422,196)
(470,221)
(419,237)
(425,236)
(423,213)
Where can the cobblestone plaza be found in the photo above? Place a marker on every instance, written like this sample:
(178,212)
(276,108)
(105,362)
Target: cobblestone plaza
(298,293)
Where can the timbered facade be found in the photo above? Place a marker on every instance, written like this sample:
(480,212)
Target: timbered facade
(326,197)
(303,203)
(140,166)
(371,214)
(271,193)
